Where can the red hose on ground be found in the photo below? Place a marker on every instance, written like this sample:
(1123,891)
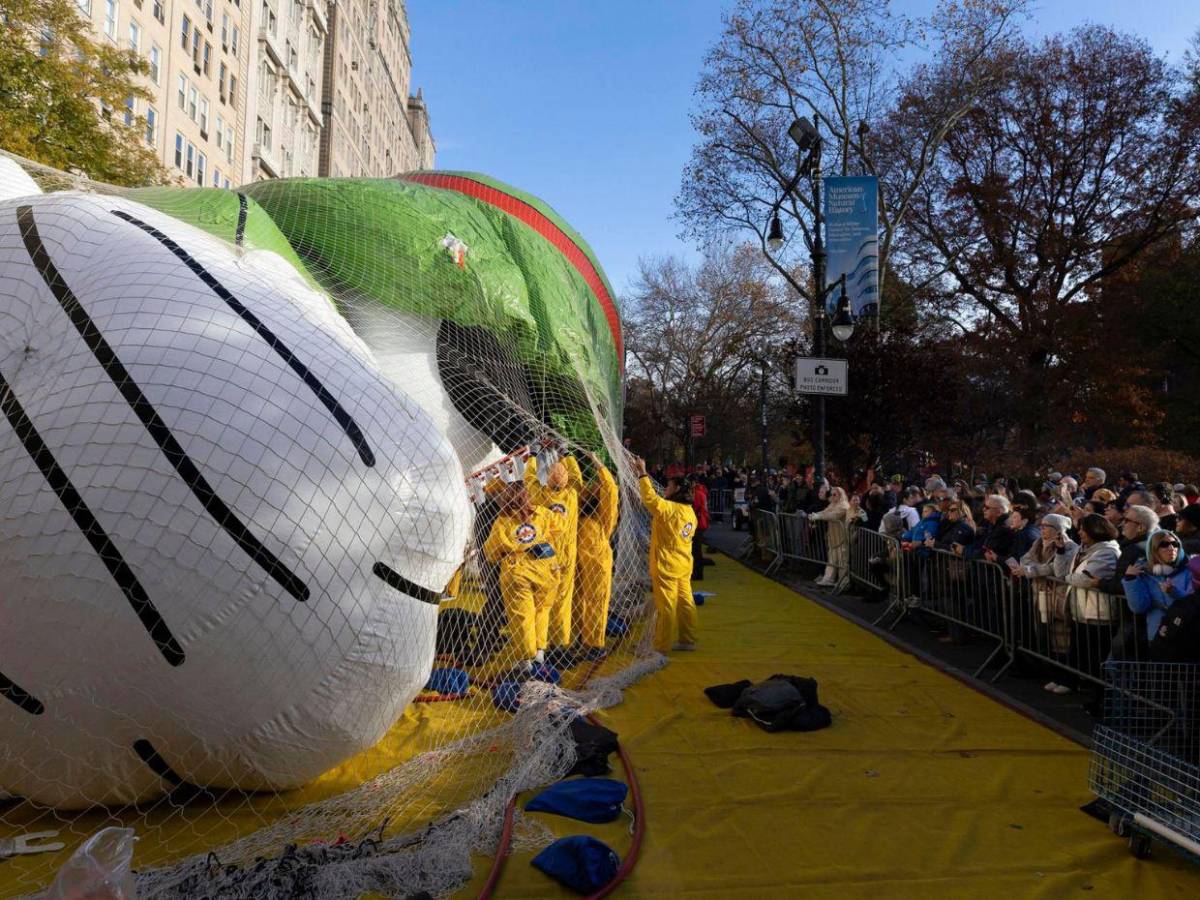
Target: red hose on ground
(501,851)
(639,826)
(627,864)
(635,845)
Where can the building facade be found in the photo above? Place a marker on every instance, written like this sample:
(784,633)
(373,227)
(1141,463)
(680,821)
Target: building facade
(199,57)
(251,89)
(373,126)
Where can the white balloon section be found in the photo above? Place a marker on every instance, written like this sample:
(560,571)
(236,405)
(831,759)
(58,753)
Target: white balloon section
(223,531)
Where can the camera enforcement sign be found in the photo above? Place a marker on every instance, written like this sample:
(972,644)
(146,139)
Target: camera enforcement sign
(822,376)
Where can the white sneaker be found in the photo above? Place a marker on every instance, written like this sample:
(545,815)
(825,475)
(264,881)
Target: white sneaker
(1049,686)
(1060,689)
(539,657)
(680,645)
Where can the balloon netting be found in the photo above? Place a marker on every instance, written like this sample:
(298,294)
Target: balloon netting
(253,449)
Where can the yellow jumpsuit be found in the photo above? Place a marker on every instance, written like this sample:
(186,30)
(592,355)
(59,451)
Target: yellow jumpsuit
(671,528)
(527,585)
(564,502)
(594,568)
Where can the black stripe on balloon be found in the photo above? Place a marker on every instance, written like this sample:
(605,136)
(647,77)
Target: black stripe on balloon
(394,579)
(243,209)
(155,426)
(14,693)
(145,750)
(67,494)
(344,419)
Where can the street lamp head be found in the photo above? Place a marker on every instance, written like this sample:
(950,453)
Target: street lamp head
(843,320)
(804,133)
(775,234)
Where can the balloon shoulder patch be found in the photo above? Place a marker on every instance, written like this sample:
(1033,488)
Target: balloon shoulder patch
(687,530)
(525,533)
(558,508)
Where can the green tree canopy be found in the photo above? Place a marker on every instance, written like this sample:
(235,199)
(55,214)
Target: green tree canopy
(63,95)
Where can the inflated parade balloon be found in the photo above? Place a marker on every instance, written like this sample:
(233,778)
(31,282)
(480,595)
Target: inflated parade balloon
(224,532)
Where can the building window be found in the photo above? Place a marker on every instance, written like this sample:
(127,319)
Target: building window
(191,110)
(225,31)
(183,84)
(207,56)
(110,18)
(178,150)
(204,117)
(130,111)
(221,70)
(159,12)
(196,43)
(264,134)
(189,168)
(216,177)
(229,143)
(220,132)
(135,37)
(233,86)
(201,162)
(233,40)
(85,5)
(155,60)
(151,124)
(185,32)
(226,182)
(208,12)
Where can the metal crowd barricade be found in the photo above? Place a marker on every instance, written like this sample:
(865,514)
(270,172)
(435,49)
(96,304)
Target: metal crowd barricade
(720,504)
(969,595)
(1073,628)
(765,538)
(875,562)
(1146,754)
(807,540)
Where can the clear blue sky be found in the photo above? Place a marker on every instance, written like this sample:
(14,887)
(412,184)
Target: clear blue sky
(585,102)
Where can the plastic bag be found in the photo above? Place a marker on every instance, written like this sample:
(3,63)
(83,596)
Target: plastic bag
(101,869)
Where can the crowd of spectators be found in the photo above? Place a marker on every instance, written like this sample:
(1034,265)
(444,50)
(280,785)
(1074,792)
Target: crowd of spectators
(1117,536)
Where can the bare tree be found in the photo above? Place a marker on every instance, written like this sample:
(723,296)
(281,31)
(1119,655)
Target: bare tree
(836,61)
(696,334)
(1066,172)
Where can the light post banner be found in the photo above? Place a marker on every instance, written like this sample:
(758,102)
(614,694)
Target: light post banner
(852,242)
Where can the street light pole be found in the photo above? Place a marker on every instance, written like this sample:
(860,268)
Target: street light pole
(762,412)
(818,267)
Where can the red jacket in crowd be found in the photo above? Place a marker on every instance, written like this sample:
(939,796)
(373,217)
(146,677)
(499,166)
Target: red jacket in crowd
(700,505)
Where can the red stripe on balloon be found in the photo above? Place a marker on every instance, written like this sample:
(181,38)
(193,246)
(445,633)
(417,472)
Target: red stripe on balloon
(544,226)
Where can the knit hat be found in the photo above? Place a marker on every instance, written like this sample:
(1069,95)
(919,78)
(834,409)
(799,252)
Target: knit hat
(1061,523)
(897,479)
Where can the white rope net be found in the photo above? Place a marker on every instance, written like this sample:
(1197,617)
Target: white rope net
(272,594)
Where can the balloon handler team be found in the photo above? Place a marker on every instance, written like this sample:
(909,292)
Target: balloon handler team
(553,545)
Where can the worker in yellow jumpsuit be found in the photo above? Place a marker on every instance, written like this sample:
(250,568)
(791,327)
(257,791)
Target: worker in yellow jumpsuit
(560,495)
(672,524)
(523,541)
(594,566)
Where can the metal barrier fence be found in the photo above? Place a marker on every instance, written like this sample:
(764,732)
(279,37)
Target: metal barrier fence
(807,540)
(1073,628)
(720,504)
(1146,754)
(875,561)
(969,595)
(765,539)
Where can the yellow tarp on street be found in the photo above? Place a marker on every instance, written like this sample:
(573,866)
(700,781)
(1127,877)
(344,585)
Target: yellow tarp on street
(922,788)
